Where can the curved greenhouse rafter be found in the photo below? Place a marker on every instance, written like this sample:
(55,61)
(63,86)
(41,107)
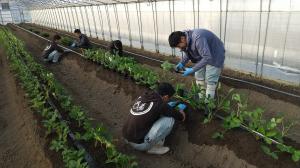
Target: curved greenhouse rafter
(42,4)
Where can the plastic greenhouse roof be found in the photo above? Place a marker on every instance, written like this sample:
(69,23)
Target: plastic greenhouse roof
(42,4)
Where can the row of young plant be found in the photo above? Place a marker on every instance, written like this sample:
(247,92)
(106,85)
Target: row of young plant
(31,75)
(237,113)
(237,110)
(232,104)
(37,98)
(124,65)
(44,34)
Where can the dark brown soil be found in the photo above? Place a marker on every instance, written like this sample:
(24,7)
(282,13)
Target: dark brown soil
(22,141)
(107,97)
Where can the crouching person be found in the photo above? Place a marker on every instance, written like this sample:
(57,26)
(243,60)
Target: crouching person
(53,52)
(116,47)
(83,42)
(151,120)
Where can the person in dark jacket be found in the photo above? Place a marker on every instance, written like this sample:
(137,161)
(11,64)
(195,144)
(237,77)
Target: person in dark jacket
(207,53)
(53,52)
(116,47)
(83,42)
(151,119)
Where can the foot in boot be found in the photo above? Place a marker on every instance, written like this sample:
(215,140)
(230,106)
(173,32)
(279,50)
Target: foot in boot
(158,150)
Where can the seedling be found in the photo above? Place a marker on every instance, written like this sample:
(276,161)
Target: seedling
(44,34)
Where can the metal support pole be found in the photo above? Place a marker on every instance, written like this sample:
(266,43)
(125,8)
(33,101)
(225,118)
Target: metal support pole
(117,20)
(155,3)
(138,11)
(94,20)
(1,17)
(221,15)
(44,18)
(174,15)
(154,27)
(82,19)
(69,18)
(20,15)
(243,27)
(258,41)
(198,14)
(73,18)
(154,11)
(50,17)
(128,23)
(58,19)
(225,31)
(77,19)
(47,18)
(194,16)
(108,20)
(88,22)
(65,16)
(286,32)
(170,13)
(62,19)
(101,21)
(265,41)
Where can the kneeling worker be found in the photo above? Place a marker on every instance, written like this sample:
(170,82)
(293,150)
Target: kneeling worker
(84,42)
(53,52)
(116,47)
(151,119)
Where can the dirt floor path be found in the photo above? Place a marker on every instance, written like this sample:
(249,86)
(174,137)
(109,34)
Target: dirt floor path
(108,97)
(20,142)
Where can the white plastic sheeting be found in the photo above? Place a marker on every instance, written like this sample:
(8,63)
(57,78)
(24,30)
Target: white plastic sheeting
(260,36)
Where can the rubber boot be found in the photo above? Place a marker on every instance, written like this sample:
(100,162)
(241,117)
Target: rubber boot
(200,83)
(158,148)
(210,94)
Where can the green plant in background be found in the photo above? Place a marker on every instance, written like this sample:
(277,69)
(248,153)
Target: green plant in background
(30,73)
(232,104)
(66,41)
(167,66)
(44,34)
(36,31)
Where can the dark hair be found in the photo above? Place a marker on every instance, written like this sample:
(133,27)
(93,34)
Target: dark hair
(77,31)
(174,38)
(165,89)
(116,47)
(56,37)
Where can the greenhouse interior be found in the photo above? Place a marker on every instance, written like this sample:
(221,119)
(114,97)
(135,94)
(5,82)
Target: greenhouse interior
(150,83)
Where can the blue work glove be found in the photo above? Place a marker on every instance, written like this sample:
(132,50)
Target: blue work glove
(179,66)
(181,106)
(172,103)
(73,45)
(188,71)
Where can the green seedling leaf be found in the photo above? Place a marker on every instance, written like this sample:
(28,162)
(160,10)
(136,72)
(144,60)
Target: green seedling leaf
(268,151)
(218,135)
(296,156)
(167,66)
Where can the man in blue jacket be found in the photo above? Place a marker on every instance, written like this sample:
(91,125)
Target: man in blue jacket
(207,53)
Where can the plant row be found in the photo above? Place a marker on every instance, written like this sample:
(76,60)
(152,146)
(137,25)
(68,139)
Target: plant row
(231,104)
(39,85)
(124,65)
(236,110)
